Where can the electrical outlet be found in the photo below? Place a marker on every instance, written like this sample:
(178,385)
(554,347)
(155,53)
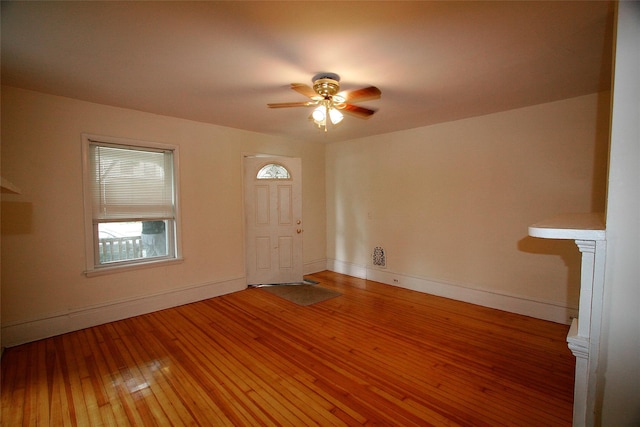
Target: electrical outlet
(396,280)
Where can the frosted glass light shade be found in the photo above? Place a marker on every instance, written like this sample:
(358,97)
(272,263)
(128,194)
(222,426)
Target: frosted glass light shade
(319,114)
(335,116)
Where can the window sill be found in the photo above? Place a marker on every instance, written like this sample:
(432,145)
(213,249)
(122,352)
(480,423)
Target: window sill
(101,271)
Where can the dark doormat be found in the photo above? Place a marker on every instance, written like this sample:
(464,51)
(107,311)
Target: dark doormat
(301,294)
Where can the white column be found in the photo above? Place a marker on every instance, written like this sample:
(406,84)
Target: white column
(588,232)
(585,341)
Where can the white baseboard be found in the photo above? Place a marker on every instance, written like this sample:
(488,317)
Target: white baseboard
(315,266)
(20,332)
(347,268)
(545,310)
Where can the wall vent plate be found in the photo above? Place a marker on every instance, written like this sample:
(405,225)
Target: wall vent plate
(379,257)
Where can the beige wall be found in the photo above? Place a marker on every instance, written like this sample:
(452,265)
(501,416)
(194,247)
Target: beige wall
(452,203)
(43,242)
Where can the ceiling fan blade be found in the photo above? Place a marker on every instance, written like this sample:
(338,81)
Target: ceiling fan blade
(292,104)
(305,90)
(361,112)
(363,94)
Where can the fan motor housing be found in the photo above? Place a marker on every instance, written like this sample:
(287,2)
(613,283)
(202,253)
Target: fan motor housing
(326,87)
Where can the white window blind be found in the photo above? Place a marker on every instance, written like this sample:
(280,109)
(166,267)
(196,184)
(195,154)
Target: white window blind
(130,184)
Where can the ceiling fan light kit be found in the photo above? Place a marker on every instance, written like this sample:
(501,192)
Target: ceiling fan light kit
(330,102)
(322,112)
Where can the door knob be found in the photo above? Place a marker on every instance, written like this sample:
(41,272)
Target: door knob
(299,222)
(299,230)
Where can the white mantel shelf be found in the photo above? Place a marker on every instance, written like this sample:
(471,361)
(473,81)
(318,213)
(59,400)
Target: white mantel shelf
(589,233)
(572,226)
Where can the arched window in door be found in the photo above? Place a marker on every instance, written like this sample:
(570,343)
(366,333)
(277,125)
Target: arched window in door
(273,171)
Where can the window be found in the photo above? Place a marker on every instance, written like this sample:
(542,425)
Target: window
(131,215)
(273,171)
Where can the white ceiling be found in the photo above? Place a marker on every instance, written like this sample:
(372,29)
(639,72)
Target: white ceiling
(222,62)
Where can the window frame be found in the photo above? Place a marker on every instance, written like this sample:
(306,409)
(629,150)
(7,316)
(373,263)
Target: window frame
(93,267)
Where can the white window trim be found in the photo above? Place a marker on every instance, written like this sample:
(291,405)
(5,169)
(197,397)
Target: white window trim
(91,268)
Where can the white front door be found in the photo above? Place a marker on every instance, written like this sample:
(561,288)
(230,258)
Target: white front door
(273,211)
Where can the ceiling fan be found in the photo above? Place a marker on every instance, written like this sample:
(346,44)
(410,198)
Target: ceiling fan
(329,102)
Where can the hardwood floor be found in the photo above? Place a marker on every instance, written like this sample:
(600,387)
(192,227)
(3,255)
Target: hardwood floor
(376,355)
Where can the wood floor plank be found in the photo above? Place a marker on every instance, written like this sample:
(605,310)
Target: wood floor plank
(375,355)
(327,357)
(263,389)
